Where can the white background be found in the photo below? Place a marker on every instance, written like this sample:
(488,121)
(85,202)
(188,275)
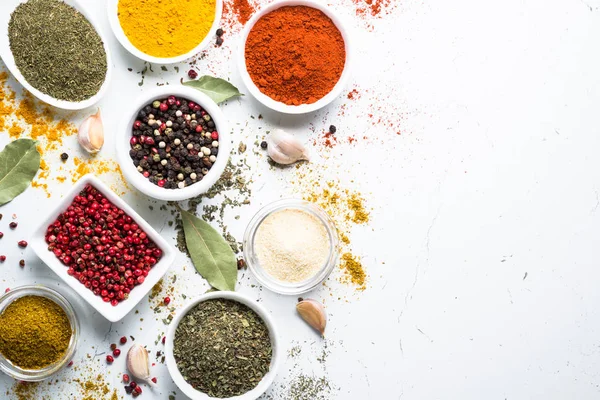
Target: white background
(482,252)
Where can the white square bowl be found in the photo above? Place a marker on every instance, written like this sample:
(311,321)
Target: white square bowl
(111,313)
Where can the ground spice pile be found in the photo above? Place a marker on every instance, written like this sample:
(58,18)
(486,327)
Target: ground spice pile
(183,24)
(295,54)
(34,332)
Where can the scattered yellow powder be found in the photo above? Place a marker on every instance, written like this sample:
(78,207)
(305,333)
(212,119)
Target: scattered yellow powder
(30,118)
(354,270)
(26,390)
(346,208)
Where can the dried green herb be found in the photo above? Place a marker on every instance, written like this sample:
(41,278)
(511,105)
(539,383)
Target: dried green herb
(19,162)
(57,50)
(222,348)
(211,254)
(305,387)
(217,89)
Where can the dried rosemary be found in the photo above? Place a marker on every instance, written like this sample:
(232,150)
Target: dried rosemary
(222,348)
(57,50)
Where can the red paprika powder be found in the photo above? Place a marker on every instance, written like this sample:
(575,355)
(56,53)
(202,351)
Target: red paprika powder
(295,54)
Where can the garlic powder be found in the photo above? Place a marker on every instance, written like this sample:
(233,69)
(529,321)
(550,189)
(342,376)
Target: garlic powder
(292,245)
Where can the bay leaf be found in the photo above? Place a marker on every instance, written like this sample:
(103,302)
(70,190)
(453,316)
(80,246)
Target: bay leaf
(19,162)
(211,254)
(217,89)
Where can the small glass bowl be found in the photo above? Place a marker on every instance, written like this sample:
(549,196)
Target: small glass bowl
(271,282)
(40,374)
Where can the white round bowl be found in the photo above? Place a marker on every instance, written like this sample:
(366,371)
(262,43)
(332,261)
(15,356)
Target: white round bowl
(277,105)
(115,24)
(124,132)
(276,359)
(6,9)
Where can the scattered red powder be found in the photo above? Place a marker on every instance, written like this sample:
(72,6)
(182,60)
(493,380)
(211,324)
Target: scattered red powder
(353,94)
(236,13)
(373,8)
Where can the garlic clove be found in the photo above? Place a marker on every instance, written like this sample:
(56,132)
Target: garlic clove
(313,313)
(284,148)
(91,133)
(138,363)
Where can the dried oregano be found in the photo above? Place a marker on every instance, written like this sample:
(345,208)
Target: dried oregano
(57,50)
(222,348)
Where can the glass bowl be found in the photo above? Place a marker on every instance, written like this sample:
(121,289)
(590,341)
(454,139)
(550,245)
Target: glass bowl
(40,374)
(281,287)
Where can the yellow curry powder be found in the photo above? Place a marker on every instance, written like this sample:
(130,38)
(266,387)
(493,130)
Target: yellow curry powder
(34,332)
(345,206)
(355,272)
(166,28)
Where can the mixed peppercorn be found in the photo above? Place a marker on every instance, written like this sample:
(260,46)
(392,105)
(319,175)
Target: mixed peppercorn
(102,246)
(174,143)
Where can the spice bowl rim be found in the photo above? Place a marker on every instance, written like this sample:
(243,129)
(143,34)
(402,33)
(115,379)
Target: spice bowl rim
(276,359)
(281,107)
(252,259)
(143,184)
(54,295)
(111,313)
(6,9)
(115,25)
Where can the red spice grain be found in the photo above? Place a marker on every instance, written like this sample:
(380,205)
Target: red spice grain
(285,54)
(102,247)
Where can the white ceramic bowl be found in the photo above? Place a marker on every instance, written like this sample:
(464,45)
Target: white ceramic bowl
(276,359)
(111,313)
(115,24)
(277,105)
(125,131)
(6,9)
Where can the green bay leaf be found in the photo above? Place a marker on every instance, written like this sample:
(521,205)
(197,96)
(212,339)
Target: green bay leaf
(211,254)
(19,162)
(217,89)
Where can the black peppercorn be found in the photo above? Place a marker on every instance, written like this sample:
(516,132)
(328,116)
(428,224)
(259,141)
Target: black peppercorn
(263,144)
(219,32)
(219,41)
(332,129)
(64,156)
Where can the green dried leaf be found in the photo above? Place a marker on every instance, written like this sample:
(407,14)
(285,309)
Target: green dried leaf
(19,162)
(211,254)
(217,89)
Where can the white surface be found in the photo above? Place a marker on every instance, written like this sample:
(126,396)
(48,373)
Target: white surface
(486,209)
(124,135)
(115,25)
(111,313)
(6,9)
(266,381)
(277,105)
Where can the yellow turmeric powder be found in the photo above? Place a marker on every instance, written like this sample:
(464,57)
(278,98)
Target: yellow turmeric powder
(354,270)
(181,26)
